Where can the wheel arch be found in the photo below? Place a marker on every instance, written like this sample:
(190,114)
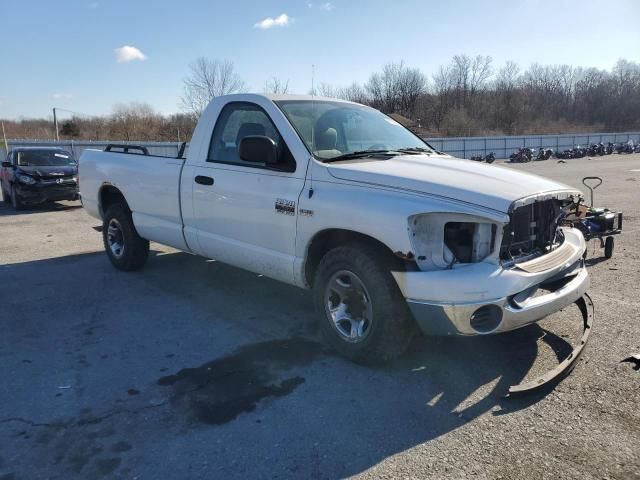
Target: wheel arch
(328,239)
(109,195)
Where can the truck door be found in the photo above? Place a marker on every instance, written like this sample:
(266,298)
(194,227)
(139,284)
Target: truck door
(245,213)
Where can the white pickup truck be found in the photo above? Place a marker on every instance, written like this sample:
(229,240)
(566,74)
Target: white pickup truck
(338,198)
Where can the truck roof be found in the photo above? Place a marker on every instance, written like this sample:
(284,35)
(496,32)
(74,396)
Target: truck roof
(281,97)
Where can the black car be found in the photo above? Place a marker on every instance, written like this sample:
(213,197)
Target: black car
(32,175)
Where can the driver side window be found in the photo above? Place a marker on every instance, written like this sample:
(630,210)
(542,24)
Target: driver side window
(237,121)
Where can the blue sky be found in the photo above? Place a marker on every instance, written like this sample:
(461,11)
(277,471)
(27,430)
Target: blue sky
(62,53)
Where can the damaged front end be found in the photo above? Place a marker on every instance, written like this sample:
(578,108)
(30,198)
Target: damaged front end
(478,276)
(585,304)
(534,227)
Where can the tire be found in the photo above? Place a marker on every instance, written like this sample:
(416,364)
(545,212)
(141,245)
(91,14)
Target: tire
(16,201)
(387,332)
(608,247)
(125,248)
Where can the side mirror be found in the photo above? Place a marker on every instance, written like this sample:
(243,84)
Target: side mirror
(7,165)
(259,149)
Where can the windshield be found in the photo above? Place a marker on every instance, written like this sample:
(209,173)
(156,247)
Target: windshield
(336,129)
(44,158)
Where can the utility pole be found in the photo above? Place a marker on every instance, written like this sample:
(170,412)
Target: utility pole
(55,122)
(4,135)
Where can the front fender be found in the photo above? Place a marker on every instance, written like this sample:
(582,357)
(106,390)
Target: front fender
(377,212)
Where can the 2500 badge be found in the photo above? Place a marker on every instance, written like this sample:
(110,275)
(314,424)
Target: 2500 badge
(286,207)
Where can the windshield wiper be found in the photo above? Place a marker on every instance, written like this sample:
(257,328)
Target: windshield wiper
(415,150)
(361,154)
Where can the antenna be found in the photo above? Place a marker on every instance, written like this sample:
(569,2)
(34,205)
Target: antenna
(313,106)
(55,123)
(313,77)
(313,126)
(4,135)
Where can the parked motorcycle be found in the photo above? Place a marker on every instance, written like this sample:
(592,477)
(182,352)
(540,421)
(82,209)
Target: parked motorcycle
(579,152)
(565,154)
(609,148)
(489,158)
(523,155)
(625,147)
(595,149)
(544,154)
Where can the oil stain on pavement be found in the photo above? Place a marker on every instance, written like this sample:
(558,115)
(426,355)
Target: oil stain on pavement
(220,390)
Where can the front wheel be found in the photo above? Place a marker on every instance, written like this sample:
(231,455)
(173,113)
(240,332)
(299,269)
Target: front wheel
(363,314)
(125,248)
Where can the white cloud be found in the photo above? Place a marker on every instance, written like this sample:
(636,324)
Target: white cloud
(61,96)
(327,7)
(309,4)
(280,21)
(94,5)
(127,53)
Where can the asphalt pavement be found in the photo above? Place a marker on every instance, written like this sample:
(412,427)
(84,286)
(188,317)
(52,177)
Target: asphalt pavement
(193,369)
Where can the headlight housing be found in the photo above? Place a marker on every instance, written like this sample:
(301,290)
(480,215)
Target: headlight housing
(26,179)
(442,240)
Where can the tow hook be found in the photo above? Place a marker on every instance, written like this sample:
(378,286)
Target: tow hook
(585,304)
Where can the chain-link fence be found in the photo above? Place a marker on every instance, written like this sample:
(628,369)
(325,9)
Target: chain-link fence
(462,147)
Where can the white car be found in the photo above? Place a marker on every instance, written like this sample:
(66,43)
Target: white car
(339,198)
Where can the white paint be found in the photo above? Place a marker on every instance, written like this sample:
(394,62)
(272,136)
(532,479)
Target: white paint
(235,220)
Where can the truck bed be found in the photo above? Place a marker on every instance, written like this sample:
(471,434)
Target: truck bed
(150,184)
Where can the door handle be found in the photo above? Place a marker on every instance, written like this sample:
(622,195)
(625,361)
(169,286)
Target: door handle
(202,180)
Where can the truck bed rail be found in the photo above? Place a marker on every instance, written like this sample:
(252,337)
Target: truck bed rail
(141,150)
(125,148)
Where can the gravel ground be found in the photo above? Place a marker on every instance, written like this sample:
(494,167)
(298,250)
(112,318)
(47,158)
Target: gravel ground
(193,369)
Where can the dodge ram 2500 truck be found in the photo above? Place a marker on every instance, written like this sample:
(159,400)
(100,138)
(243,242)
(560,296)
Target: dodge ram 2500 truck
(339,198)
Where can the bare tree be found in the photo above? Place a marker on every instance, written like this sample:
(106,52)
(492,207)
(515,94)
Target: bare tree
(462,100)
(396,88)
(468,76)
(135,121)
(507,97)
(325,90)
(443,86)
(276,86)
(354,93)
(208,79)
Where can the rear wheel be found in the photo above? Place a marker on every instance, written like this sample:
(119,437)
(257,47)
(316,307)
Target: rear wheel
(363,314)
(125,248)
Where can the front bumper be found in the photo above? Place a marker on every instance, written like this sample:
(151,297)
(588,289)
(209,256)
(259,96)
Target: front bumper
(46,193)
(486,298)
